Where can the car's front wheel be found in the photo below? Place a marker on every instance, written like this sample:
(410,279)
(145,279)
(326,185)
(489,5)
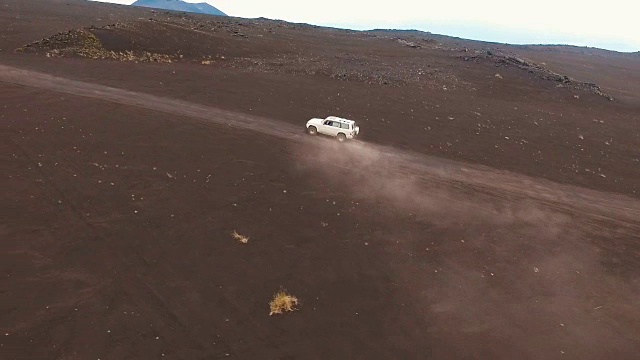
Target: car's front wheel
(342,137)
(312,130)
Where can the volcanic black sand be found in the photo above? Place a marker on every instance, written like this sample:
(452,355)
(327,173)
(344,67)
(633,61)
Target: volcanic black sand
(490,208)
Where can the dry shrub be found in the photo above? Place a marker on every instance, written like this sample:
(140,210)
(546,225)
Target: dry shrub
(240,238)
(281,302)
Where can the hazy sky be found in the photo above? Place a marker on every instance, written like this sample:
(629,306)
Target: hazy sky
(608,24)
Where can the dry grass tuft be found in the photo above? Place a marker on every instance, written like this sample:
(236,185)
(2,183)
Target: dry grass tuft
(282,302)
(241,238)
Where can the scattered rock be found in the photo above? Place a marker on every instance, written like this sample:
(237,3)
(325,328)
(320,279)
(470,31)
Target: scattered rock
(408,43)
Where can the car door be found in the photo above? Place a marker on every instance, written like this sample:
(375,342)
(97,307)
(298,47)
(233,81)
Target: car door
(345,128)
(336,127)
(326,127)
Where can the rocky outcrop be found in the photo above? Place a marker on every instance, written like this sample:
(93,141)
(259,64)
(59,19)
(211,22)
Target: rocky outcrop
(83,43)
(504,59)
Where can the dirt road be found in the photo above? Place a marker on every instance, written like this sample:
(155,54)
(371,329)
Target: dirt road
(171,106)
(596,205)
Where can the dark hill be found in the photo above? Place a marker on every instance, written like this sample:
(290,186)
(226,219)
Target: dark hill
(178,5)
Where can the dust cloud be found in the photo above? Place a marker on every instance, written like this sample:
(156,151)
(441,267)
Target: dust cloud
(525,266)
(427,188)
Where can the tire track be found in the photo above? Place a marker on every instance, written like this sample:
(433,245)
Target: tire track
(206,114)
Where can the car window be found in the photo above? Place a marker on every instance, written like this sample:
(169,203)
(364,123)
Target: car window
(328,122)
(336,124)
(345,126)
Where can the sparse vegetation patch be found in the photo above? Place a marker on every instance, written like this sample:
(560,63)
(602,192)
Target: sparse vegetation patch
(240,238)
(281,302)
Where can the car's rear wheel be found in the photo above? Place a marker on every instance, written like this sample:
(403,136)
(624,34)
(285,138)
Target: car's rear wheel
(342,137)
(312,130)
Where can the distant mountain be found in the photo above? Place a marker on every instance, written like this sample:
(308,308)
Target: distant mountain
(179,5)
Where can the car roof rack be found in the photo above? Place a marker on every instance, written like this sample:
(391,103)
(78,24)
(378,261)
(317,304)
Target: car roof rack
(336,118)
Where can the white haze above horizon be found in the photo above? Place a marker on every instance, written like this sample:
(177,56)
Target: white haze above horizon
(609,25)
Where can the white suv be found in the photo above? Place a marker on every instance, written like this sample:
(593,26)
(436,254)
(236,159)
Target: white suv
(333,126)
